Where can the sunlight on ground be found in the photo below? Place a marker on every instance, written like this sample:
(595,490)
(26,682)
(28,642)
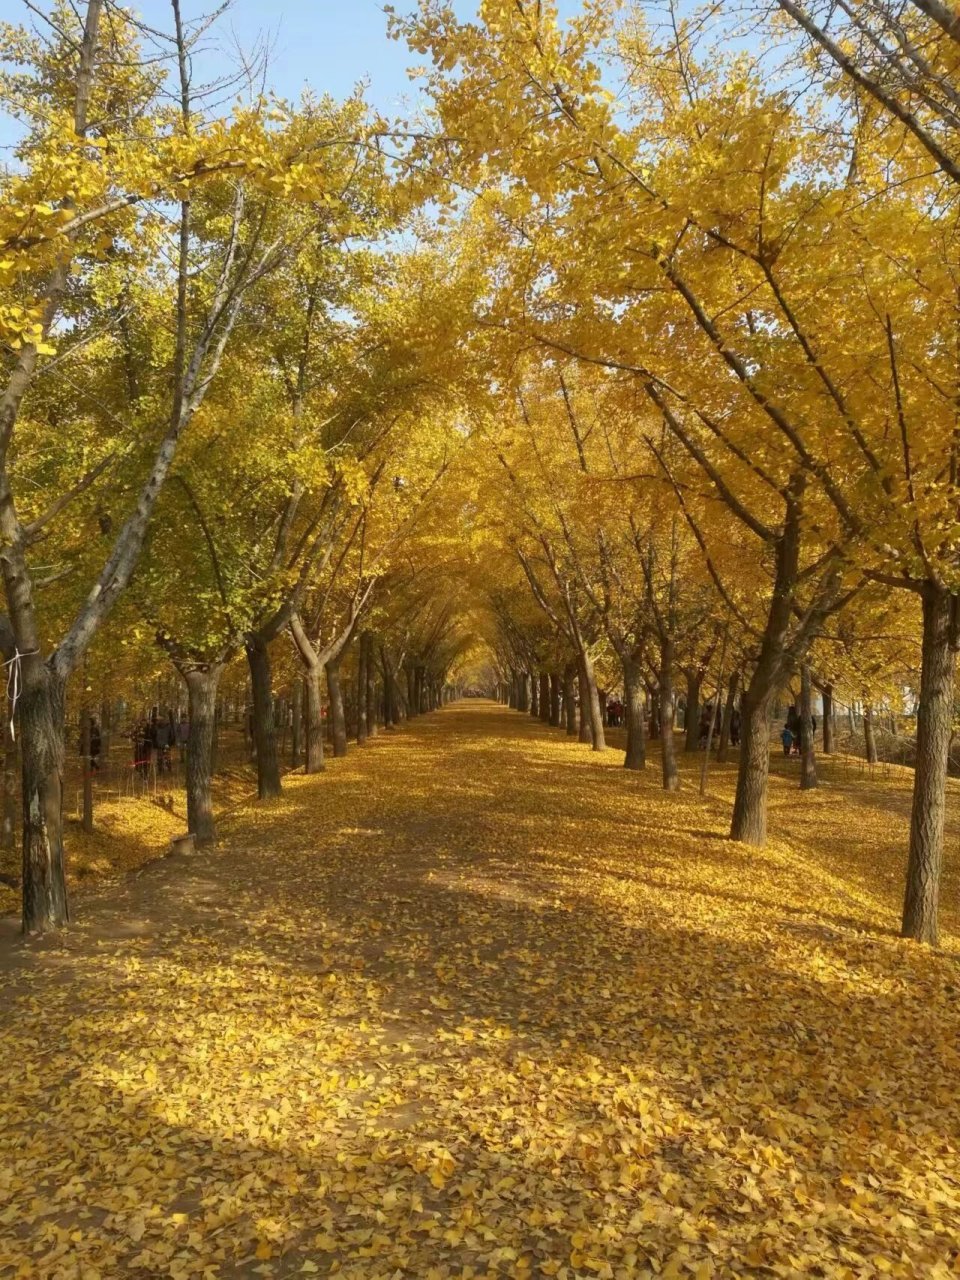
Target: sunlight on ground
(477,1002)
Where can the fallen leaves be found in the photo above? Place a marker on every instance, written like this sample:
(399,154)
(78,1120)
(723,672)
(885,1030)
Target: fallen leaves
(545,1026)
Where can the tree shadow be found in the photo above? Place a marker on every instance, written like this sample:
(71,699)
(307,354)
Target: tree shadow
(615,1062)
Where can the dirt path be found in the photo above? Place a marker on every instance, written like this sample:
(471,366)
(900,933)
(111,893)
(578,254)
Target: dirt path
(478,1003)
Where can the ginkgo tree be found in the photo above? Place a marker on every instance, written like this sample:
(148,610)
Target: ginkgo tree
(102,145)
(778,294)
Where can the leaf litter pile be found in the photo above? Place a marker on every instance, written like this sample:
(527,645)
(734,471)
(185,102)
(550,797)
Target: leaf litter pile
(479,1003)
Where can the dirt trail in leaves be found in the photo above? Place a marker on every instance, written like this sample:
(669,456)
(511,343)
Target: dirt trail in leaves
(478,1003)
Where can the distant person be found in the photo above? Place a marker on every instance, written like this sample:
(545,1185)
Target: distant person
(735,728)
(793,723)
(183,736)
(786,738)
(706,723)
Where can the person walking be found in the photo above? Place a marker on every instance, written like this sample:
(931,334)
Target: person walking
(735,727)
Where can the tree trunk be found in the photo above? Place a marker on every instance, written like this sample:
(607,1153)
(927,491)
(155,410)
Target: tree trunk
(655,714)
(534,695)
(594,714)
(85,745)
(749,822)
(729,706)
(523,692)
(808,756)
(202,684)
(691,718)
(554,700)
(361,692)
(106,730)
(668,749)
(633,693)
(280,719)
(934,723)
(570,698)
(413,691)
(371,686)
(583,723)
(337,716)
(296,727)
(828,725)
(41,710)
(390,710)
(311,680)
(545,697)
(8,816)
(264,720)
(869,734)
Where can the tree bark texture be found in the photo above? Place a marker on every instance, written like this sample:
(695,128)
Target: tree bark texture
(11,790)
(870,735)
(337,715)
(554,700)
(264,720)
(749,822)
(202,684)
(371,684)
(733,688)
(934,725)
(311,680)
(570,698)
(361,692)
(828,720)
(808,755)
(41,718)
(523,692)
(85,745)
(595,715)
(296,723)
(635,712)
(691,716)
(668,750)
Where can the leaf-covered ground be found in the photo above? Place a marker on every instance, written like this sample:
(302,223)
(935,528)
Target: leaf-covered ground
(478,1003)
(130,829)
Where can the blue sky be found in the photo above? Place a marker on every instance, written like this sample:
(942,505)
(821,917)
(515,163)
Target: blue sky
(330,45)
(327,44)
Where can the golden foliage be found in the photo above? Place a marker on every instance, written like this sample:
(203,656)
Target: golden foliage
(479,1004)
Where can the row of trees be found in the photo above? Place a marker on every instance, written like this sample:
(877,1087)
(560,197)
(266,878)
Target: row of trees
(724,296)
(631,351)
(226,413)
